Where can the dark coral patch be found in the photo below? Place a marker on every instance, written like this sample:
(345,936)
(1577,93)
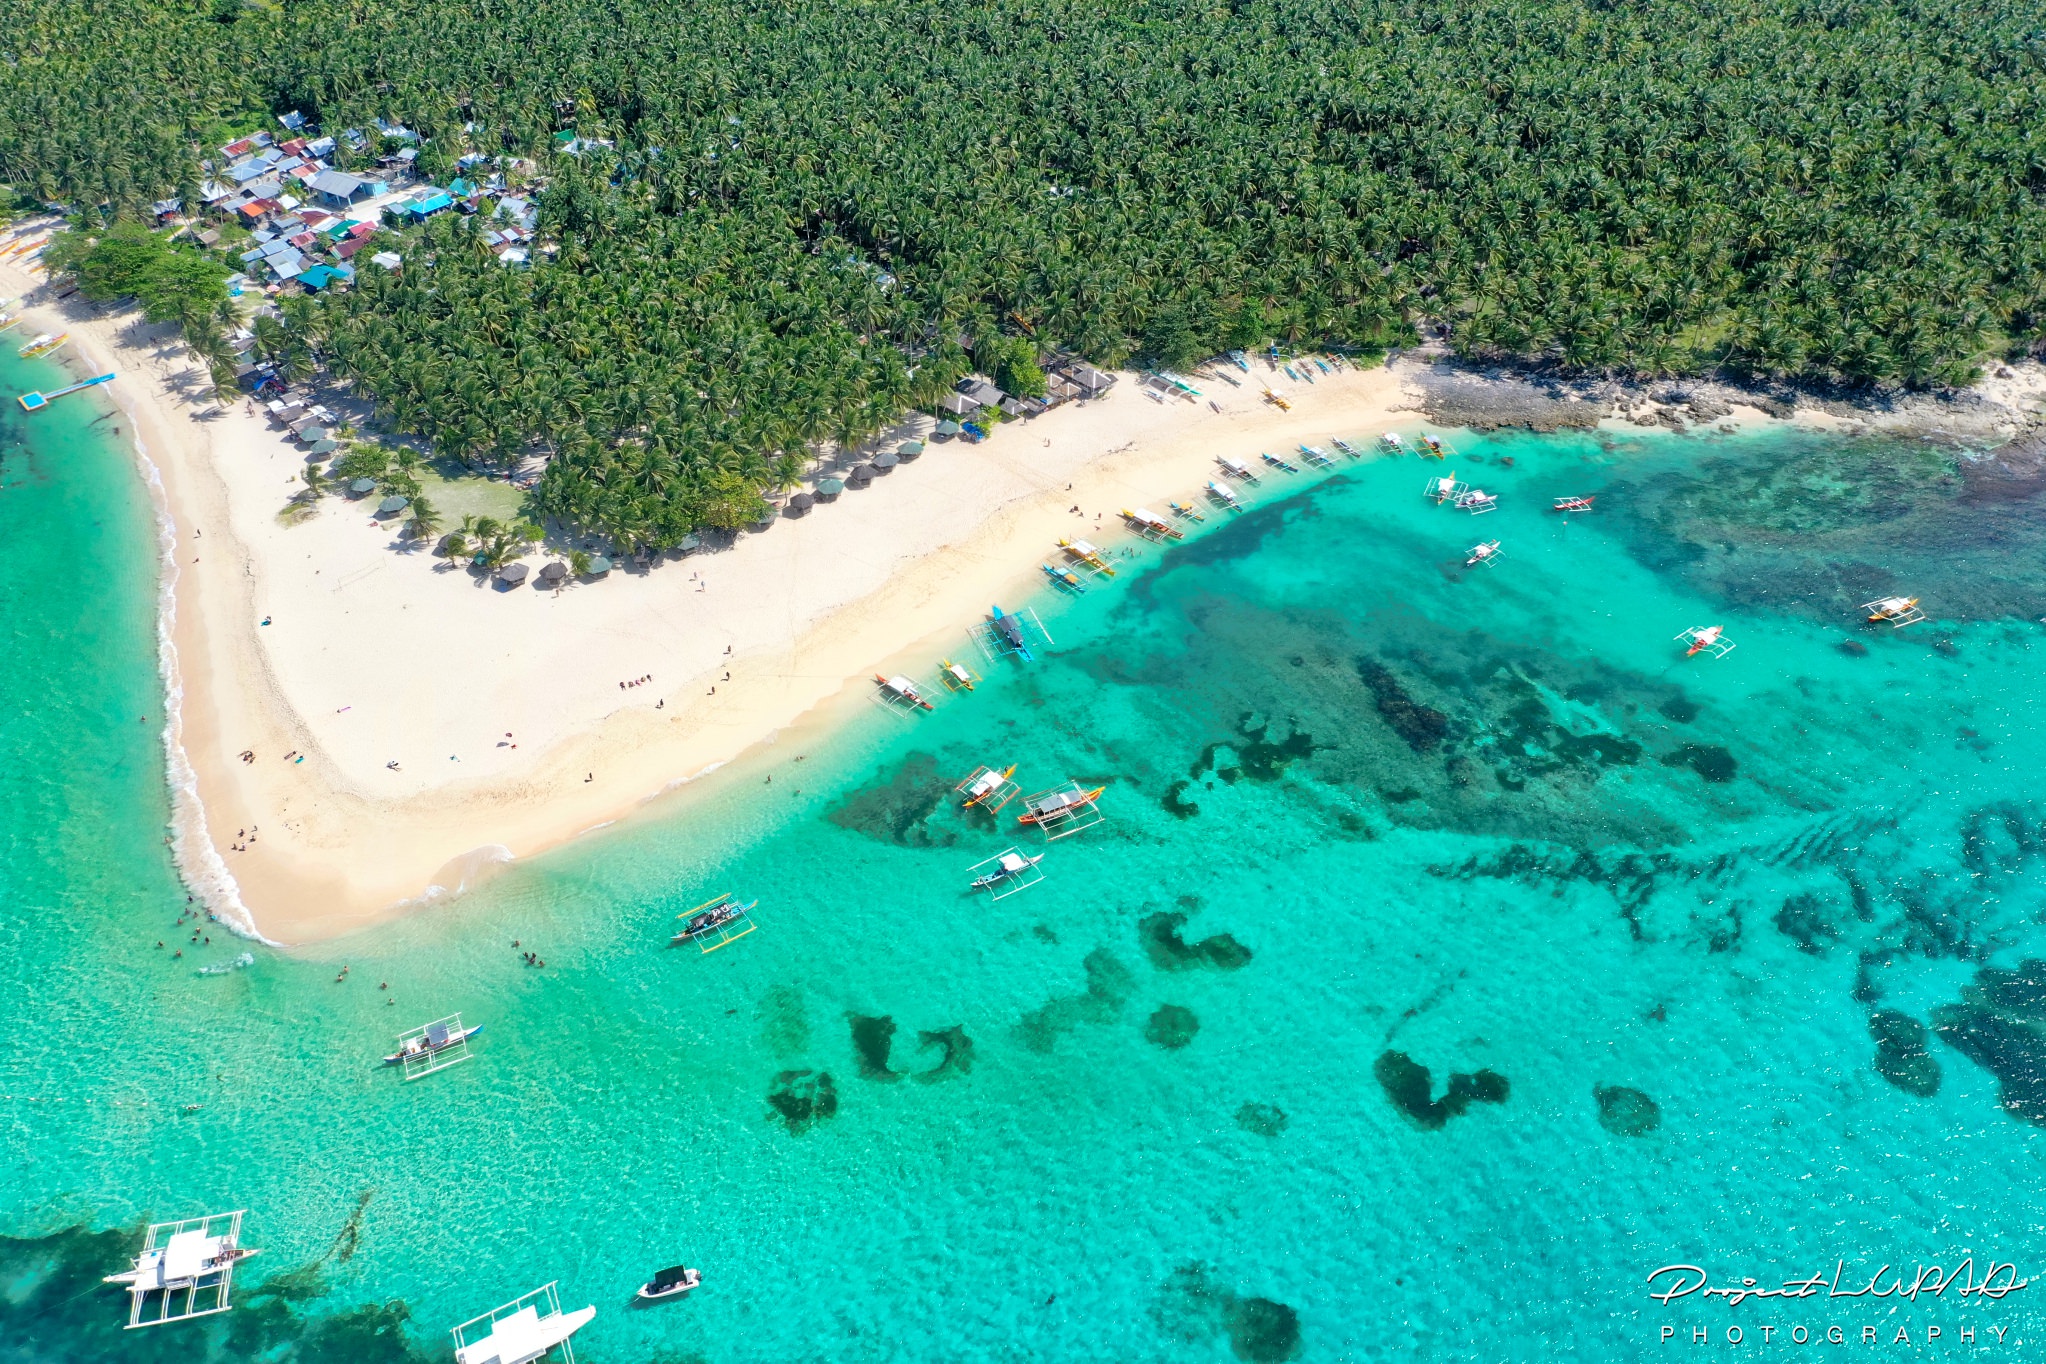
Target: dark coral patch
(2000,1024)
(1422,727)
(1626,1112)
(1901,1056)
(1172,1026)
(1263,1332)
(1709,761)
(956,1052)
(1109,986)
(1175,802)
(872,1038)
(1267,1120)
(803,1097)
(1169,952)
(1410,1087)
(1853,648)
(1804,920)
(900,810)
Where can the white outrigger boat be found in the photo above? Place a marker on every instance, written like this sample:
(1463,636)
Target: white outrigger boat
(671,1282)
(903,692)
(431,1043)
(1704,639)
(523,1330)
(1445,489)
(1484,554)
(191,1263)
(1392,443)
(1224,494)
(1151,525)
(988,787)
(1477,502)
(1345,446)
(719,917)
(1085,552)
(1236,468)
(1314,454)
(1010,872)
(1896,612)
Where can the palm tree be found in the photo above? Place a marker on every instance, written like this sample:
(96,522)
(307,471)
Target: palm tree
(423,520)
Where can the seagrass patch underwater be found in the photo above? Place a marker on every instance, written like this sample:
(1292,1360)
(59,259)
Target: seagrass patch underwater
(1455,953)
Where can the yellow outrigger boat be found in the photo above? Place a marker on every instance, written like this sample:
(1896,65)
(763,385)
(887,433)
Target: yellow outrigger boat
(1088,555)
(957,676)
(988,787)
(43,345)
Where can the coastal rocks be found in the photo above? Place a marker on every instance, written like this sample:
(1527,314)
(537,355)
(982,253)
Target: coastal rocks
(1410,1087)
(1172,1027)
(1491,399)
(1266,1120)
(1626,1112)
(2000,1025)
(1194,1306)
(1901,1056)
(1168,951)
(803,1097)
(1109,987)
(900,810)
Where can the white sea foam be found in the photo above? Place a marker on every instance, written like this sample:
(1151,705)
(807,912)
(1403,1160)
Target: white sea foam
(199,863)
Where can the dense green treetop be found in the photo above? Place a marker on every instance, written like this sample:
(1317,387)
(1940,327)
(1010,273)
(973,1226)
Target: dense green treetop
(807,202)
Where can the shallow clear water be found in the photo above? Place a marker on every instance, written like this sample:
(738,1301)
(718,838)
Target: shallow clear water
(1369,811)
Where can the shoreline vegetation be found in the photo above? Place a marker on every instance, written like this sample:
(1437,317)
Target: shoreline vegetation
(640,306)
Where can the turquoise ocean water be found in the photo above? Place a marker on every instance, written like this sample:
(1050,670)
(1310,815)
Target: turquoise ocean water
(1371,814)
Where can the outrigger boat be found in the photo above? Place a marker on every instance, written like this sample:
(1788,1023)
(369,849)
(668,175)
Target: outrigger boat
(1278,463)
(900,688)
(1482,554)
(43,345)
(1322,365)
(1190,513)
(1236,467)
(183,1261)
(1009,866)
(1706,639)
(1392,442)
(988,788)
(1445,488)
(1477,502)
(1055,806)
(1315,454)
(1064,577)
(430,1041)
(1897,612)
(671,1282)
(1224,494)
(957,676)
(1088,555)
(715,917)
(1278,400)
(1345,447)
(1242,360)
(1009,629)
(1432,446)
(1574,503)
(1151,523)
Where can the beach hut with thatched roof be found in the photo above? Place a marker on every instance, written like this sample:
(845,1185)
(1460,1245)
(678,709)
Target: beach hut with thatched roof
(553,573)
(859,476)
(362,487)
(829,488)
(511,575)
(946,430)
(690,544)
(599,566)
(799,504)
(392,505)
(321,449)
(909,449)
(886,460)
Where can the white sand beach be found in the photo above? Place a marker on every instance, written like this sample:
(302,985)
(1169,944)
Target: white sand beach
(502,708)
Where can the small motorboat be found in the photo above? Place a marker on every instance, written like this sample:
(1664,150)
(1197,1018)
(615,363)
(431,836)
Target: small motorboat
(900,688)
(1007,867)
(436,1037)
(1484,553)
(671,1282)
(1569,504)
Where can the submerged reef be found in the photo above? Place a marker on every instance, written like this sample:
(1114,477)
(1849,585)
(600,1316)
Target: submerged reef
(2000,1025)
(1408,1084)
(1626,1112)
(1172,1026)
(872,1039)
(1109,986)
(1421,727)
(1267,1120)
(1194,1306)
(803,1097)
(955,1052)
(1168,951)
(900,810)
(1901,1056)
